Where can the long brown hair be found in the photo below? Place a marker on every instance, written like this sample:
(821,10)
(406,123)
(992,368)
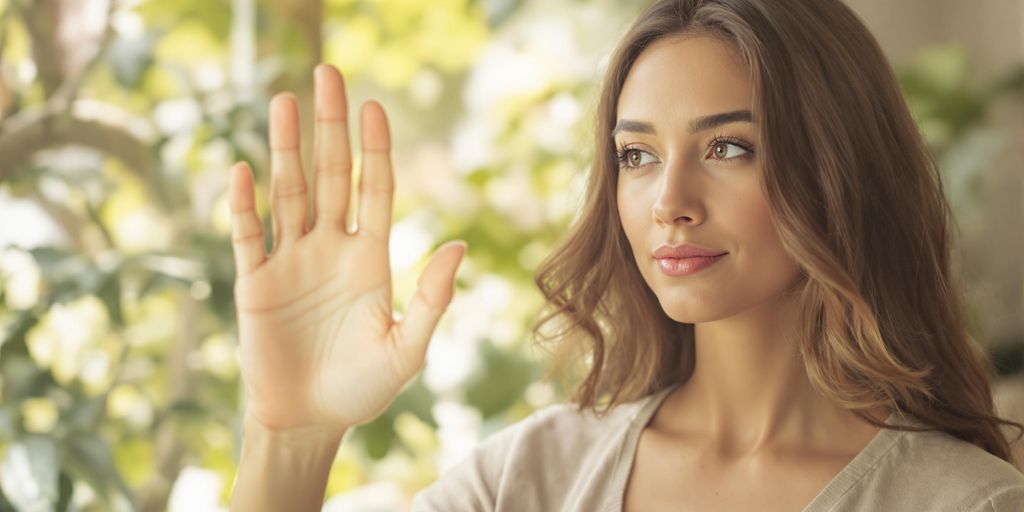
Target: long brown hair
(857,200)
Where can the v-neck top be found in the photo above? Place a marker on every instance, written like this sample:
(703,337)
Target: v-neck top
(559,459)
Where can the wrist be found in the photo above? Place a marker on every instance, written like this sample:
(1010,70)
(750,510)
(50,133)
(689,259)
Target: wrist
(309,437)
(284,469)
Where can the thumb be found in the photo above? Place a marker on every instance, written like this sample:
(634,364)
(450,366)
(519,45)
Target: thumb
(433,294)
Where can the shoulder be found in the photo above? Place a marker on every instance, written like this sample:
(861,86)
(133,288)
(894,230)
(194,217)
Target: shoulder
(954,460)
(567,426)
(939,471)
(985,481)
(558,429)
(546,448)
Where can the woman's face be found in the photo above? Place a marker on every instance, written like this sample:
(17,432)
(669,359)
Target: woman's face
(687,181)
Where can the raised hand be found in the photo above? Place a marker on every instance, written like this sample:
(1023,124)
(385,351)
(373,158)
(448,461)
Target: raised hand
(318,343)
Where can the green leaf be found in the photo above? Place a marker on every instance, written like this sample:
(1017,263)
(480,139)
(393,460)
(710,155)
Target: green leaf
(84,409)
(88,457)
(500,11)
(25,378)
(502,380)
(66,490)
(51,260)
(28,474)
(7,413)
(189,410)
(378,435)
(110,293)
(13,337)
(944,66)
(416,399)
(215,16)
(131,58)
(69,274)
(5,506)
(1011,82)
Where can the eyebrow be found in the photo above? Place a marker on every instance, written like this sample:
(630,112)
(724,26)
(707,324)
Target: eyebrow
(697,125)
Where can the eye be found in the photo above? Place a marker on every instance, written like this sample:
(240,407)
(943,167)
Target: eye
(632,158)
(719,149)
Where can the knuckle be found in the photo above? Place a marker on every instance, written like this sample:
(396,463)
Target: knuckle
(373,235)
(332,119)
(431,303)
(372,187)
(334,168)
(290,192)
(246,238)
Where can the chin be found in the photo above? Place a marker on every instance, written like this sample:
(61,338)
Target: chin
(687,312)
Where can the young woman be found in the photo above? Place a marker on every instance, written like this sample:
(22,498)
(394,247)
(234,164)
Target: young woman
(761,277)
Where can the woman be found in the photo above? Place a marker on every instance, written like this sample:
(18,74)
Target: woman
(760,276)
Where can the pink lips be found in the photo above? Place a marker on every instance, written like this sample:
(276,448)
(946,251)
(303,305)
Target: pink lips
(685,259)
(686,266)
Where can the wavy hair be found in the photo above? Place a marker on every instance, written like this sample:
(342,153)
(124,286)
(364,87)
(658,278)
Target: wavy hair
(857,200)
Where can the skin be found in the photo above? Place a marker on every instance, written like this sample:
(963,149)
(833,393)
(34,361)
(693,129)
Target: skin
(748,424)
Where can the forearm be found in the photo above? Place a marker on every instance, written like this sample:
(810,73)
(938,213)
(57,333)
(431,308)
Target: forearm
(283,470)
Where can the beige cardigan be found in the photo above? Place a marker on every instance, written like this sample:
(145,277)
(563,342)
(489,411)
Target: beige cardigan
(561,460)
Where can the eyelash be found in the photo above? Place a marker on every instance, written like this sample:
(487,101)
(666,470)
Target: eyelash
(622,151)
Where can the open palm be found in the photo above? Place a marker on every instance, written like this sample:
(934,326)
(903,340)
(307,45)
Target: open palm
(317,339)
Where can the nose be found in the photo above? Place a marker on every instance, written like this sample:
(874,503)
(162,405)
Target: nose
(679,199)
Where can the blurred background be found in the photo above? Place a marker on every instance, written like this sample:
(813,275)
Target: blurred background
(118,122)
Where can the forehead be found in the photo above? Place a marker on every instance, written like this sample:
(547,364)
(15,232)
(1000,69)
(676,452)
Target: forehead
(683,77)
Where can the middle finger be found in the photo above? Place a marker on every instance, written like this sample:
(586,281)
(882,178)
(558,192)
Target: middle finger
(332,156)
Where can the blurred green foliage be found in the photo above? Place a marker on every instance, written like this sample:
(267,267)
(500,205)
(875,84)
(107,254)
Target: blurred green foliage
(951,109)
(118,340)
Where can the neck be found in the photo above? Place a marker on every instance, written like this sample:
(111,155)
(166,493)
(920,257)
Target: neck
(749,391)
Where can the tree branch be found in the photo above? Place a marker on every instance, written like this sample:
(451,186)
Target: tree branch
(43,128)
(41,20)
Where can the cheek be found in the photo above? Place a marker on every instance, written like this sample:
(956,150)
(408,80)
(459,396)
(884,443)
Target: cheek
(755,218)
(631,213)
(760,222)
(747,214)
(753,223)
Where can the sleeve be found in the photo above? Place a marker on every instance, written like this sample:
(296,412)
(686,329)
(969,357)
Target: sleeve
(1007,500)
(473,484)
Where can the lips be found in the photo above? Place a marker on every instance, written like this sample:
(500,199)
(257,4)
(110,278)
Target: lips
(685,251)
(686,266)
(686,259)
